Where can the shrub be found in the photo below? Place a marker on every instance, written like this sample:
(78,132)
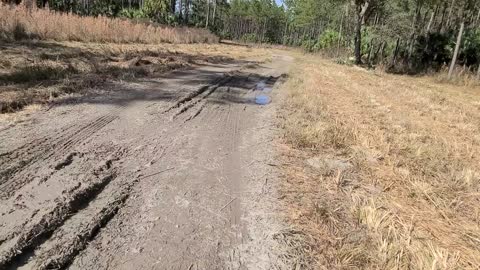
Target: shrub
(249,38)
(133,13)
(19,32)
(471,52)
(328,39)
(309,45)
(156,9)
(432,51)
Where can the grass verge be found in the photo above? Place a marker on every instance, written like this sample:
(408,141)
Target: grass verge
(382,170)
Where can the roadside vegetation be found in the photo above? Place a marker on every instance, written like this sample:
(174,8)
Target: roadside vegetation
(39,62)
(381,170)
(20,23)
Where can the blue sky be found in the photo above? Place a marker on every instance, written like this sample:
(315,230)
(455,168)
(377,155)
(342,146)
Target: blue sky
(279,2)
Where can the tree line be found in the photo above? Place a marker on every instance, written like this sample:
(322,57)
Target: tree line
(404,35)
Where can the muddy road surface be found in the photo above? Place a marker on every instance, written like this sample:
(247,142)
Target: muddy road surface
(167,173)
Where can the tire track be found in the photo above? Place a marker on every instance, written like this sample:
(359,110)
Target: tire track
(51,236)
(36,230)
(199,97)
(39,142)
(28,150)
(82,161)
(54,239)
(35,145)
(18,173)
(75,234)
(217,82)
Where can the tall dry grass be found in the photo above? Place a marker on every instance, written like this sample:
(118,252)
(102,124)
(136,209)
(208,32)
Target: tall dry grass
(384,170)
(17,22)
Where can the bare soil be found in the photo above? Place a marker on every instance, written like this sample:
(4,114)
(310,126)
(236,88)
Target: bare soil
(163,172)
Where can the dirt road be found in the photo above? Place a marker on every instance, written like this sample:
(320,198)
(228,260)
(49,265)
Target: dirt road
(164,173)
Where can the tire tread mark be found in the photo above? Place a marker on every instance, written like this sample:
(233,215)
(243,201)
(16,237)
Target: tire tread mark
(17,174)
(37,232)
(63,253)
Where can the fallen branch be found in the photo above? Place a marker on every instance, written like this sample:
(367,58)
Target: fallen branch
(153,174)
(228,203)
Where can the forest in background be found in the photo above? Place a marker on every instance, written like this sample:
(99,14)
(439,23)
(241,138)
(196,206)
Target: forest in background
(404,36)
(372,170)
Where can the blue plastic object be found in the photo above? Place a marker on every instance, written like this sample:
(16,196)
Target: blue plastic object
(262,99)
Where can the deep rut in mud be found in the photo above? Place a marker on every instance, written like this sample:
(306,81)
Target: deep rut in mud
(75,195)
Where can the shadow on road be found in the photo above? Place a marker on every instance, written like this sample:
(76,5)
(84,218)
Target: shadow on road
(40,72)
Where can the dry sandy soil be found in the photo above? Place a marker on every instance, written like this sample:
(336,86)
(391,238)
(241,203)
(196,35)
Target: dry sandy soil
(168,171)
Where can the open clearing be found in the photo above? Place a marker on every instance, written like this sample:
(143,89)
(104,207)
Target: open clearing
(157,158)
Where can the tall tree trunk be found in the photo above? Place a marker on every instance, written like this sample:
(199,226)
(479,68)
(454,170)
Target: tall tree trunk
(187,11)
(208,14)
(457,49)
(449,18)
(361,10)
(477,20)
(214,15)
(358,41)
(347,32)
(264,31)
(340,33)
(285,32)
(395,53)
(173,4)
(180,14)
(429,27)
(370,52)
(413,35)
(379,52)
(442,20)
(430,22)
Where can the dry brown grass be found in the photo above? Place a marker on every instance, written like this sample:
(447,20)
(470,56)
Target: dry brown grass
(17,22)
(384,169)
(461,76)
